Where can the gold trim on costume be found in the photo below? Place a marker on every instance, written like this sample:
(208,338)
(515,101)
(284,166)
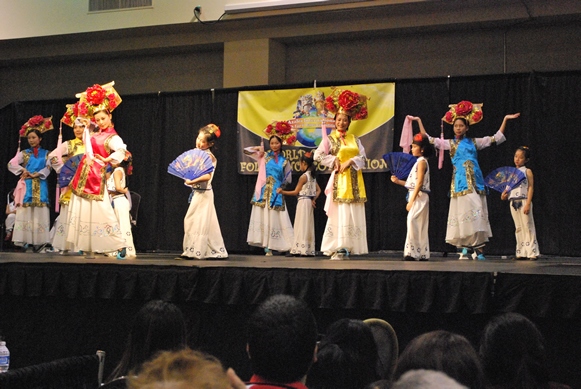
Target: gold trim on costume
(267,194)
(25,157)
(453,146)
(470,181)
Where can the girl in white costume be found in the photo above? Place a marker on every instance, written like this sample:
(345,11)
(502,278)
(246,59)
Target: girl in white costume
(270,226)
(93,226)
(202,235)
(521,209)
(117,188)
(468,227)
(32,223)
(346,228)
(417,242)
(308,191)
(67,149)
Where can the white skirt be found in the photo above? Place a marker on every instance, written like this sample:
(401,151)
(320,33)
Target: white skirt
(202,234)
(59,230)
(525,232)
(417,241)
(32,226)
(121,208)
(93,226)
(346,229)
(270,229)
(468,224)
(304,228)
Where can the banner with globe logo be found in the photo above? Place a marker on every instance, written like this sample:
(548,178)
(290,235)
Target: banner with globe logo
(297,116)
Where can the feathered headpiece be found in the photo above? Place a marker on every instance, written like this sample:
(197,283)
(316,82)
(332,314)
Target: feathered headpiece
(464,109)
(36,123)
(349,103)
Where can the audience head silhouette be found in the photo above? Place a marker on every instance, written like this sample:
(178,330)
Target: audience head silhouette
(346,357)
(443,351)
(282,339)
(158,326)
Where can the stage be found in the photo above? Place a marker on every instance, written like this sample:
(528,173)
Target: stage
(56,305)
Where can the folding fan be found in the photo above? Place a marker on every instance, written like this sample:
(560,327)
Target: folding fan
(69,169)
(400,164)
(191,165)
(504,178)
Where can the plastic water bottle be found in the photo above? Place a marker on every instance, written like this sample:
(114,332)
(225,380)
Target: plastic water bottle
(4,358)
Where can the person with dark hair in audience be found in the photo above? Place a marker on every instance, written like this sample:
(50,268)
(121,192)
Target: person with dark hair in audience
(514,355)
(185,369)
(158,326)
(282,343)
(346,357)
(443,351)
(426,379)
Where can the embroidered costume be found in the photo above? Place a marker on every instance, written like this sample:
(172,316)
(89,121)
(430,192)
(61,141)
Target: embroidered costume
(468,224)
(270,226)
(304,228)
(202,234)
(346,225)
(526,236)
(346,228)
(93,226)
(122,207)
(417,243)
(59,229)
(32,223)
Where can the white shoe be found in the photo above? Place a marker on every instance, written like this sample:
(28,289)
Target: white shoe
(337,257)
(268,253)
(463,255)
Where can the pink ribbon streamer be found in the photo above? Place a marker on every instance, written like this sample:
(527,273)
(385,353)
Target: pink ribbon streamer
(261,180)
(19,192)
(59,156)
(325,137)
(329,191)
(407,135)
(441,150)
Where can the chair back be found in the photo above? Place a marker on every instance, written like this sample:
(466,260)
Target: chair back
(67,373)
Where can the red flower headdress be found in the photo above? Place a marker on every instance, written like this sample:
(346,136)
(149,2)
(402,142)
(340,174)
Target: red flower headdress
(214,129)
(350,103)
(36,123)
(464,109)
(284,130)
(94,99)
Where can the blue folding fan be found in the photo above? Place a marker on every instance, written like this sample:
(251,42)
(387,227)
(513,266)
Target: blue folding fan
(504,178)
(69,169)
(191,165)
(400,164)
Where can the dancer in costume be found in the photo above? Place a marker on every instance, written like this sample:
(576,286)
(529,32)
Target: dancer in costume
(270,226)
(32,224)
(417,242)
(202,234)
(346,230)
(468,225)
(117,188)
(58,157)
(93,226)
(308,191)
(521,209)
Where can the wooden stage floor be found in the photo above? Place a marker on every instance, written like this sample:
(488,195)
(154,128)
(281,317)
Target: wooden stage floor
(383,261)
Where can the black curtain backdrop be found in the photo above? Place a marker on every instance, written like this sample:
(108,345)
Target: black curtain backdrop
(159,127)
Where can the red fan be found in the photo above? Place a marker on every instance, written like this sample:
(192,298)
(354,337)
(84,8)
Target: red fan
(191,165)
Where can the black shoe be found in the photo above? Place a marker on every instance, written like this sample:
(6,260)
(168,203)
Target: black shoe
(408,258)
